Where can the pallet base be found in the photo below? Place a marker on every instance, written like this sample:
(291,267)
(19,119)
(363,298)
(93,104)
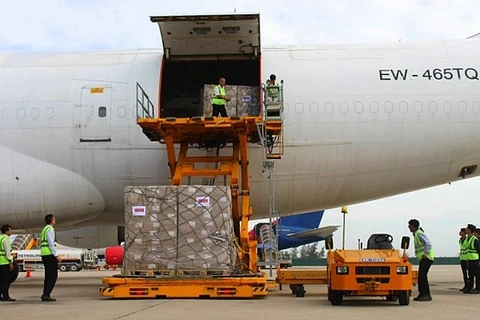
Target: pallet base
(162,288)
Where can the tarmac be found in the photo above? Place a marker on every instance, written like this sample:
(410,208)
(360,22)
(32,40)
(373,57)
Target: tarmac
(78,297)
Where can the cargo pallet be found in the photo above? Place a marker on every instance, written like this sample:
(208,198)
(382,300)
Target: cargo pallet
(169,288)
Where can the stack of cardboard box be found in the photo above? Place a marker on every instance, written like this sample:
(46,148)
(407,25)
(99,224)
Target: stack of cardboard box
(178,228)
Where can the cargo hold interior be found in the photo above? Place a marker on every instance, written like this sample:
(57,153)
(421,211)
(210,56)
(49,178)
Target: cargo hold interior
(183,81)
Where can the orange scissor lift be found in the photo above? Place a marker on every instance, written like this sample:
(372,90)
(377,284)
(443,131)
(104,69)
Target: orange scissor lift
(182,134)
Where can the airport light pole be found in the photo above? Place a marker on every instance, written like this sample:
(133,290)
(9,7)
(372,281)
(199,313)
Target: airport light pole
(344,211)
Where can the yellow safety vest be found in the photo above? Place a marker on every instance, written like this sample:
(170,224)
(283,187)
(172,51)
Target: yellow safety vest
(44,248)
(471,252)
(463,249)
(219,101)
(420,246)
(3,253)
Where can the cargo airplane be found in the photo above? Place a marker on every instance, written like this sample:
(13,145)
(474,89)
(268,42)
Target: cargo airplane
(362,122)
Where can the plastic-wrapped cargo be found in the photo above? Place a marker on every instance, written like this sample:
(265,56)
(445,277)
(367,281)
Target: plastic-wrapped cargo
(247,101)
(177,229)
(244,100)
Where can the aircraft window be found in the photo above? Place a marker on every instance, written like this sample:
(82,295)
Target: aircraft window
(35,113)
(299,108)
(403,106)
(6,114)
(476,107)
(344,107)
(418,106)
(389,106)
(359,107)
(102,112)
(21,113)
(329,107)
(122,111)
(447,106)
(49,113)
(373,107)
(462,106)
(314,108)
(433,106)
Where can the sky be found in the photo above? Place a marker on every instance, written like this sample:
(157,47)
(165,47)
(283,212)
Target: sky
(55,25)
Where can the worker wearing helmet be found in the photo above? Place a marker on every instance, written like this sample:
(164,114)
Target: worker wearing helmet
(424,253)
(50,257)
(6,262)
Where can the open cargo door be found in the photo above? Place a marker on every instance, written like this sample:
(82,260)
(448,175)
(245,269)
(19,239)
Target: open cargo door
(209,35)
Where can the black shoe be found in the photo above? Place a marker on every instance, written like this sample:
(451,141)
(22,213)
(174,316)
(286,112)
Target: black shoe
(45,298)
(9,299)
(475,291)
(463,289)
(423,298)
(466,291)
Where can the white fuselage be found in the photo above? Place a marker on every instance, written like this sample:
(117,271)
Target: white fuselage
(353,133)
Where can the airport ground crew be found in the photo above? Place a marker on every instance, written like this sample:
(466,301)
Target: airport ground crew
(424,253)
(220,99)
(6,262)
(463,257)
(50,257)
(472,257)
(273,88)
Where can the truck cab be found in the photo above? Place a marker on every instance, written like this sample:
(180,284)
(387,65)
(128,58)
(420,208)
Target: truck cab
(378,270)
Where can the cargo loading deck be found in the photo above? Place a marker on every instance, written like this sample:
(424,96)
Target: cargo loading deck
(182,127)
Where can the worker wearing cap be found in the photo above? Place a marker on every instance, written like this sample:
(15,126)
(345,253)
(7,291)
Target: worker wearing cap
(6,262)
(220,99)
(50,257)
(463,257)
(424,253)
(472,257)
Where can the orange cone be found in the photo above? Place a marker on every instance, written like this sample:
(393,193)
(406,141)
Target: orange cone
(28,275)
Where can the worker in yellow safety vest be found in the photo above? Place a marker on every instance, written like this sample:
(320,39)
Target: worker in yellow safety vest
(6,262)
(424,254)
(472,258)
(463,257)
(273,88)
(220,99)
(50,257)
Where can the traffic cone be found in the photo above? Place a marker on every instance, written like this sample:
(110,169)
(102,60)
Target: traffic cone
(28,275)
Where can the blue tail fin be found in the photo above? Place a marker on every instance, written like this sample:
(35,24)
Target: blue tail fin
(309,220)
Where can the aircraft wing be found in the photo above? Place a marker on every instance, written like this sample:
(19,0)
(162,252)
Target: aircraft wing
(322,232)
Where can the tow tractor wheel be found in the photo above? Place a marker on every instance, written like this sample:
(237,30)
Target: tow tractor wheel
(404,298)
(63,268)
(335,297)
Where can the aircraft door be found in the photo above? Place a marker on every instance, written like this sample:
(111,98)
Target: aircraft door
(94,114)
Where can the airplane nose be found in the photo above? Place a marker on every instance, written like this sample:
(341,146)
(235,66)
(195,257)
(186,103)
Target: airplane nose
(30,189)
